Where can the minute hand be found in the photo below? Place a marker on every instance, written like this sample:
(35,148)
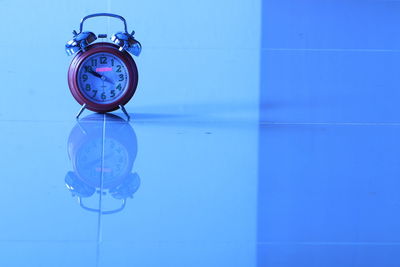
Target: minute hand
(106,79)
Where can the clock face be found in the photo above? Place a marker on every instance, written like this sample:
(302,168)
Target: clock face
(103,78)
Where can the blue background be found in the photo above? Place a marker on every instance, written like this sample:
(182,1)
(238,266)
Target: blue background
(266,135)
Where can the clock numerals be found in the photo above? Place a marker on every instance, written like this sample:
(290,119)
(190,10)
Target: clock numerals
(112,62)
(94,93)
(103,96)
(87,87)
(119,68)
(119,87)
(112,93)
(121,77)
(103,60)
(88,68)
(94,62)
(85,77)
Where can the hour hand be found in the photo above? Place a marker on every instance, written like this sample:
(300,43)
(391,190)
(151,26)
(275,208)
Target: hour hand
(96,74)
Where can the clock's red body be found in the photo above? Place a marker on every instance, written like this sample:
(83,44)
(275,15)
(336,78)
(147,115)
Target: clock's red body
(103,47)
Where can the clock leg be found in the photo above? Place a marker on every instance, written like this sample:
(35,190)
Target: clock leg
(81,110)
(124,111)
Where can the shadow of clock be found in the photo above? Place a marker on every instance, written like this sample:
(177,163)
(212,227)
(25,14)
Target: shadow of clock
(102,149)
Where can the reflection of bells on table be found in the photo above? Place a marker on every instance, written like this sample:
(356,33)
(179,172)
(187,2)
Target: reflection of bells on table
(102,149)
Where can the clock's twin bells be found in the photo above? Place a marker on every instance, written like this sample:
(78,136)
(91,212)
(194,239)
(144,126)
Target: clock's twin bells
(125,41)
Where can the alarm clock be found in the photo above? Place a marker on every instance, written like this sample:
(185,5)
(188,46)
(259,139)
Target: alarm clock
(102,150)
(103,76)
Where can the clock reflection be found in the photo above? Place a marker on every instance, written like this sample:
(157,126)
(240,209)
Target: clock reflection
(102,149)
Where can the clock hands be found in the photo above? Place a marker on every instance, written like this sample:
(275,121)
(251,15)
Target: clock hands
(98,75)
(102,77)
(106,79)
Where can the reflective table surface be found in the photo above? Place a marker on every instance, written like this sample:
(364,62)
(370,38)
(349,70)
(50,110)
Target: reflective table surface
(102,191)
(108,192)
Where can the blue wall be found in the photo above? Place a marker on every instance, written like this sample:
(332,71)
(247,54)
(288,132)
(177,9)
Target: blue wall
(330,61)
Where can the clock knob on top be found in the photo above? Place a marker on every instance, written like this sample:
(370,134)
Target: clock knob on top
(127,42)
(79,42)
